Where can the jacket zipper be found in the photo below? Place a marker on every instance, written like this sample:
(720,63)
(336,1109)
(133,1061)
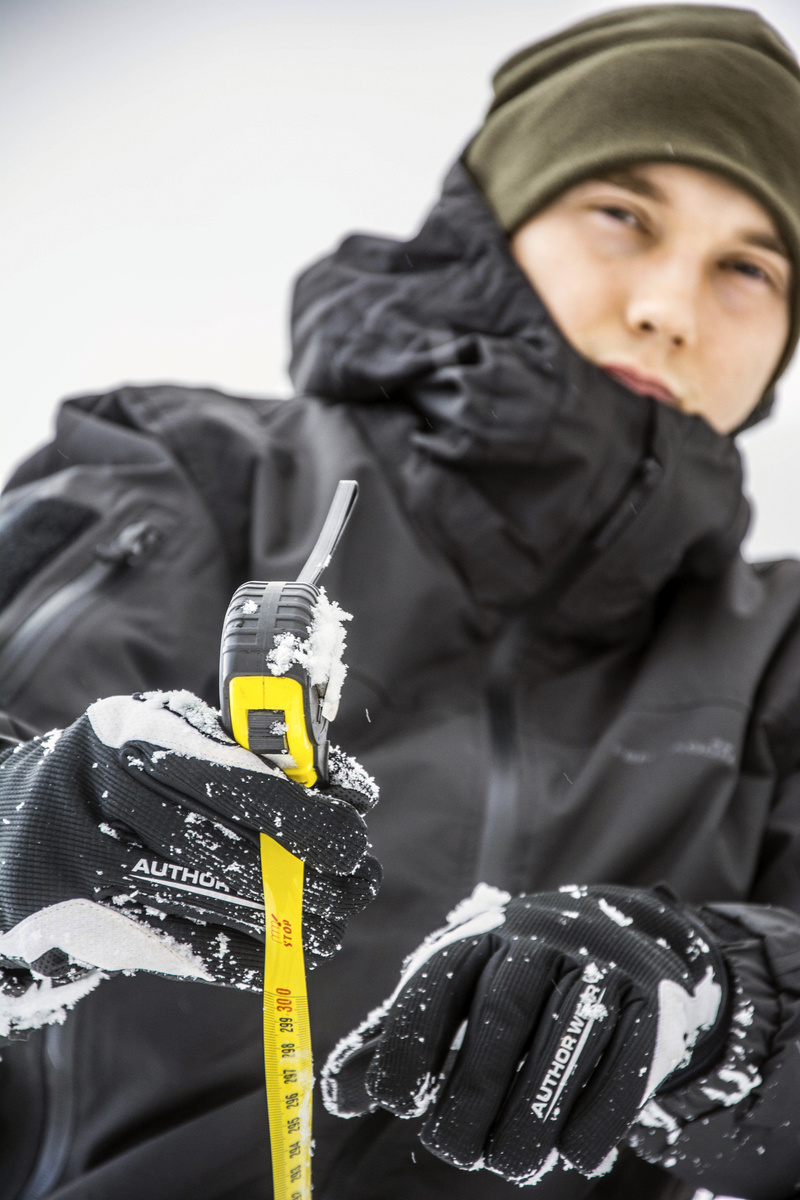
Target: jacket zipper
(43,627)
(501,812)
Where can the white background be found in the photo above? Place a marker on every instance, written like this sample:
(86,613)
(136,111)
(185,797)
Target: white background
(169,165)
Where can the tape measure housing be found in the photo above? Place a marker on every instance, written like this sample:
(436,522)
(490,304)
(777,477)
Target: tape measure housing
(255,703)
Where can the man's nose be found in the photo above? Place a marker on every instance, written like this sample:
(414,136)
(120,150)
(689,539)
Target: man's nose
(663,303)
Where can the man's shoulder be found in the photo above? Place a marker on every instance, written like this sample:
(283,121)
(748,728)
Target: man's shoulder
(182,414)
(173,411)
(214,435)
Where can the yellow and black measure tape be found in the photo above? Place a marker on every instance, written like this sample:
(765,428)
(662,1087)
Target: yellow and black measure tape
(281,718)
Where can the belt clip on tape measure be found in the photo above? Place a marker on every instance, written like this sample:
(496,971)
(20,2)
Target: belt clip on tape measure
(280,718)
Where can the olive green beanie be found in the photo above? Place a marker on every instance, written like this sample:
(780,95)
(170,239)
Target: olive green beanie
(709,87)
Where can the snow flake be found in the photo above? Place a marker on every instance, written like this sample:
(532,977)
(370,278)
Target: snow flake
(614,913)
(48,742)
(484,899)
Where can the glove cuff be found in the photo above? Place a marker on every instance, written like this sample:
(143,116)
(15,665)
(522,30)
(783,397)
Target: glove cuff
(711,1045)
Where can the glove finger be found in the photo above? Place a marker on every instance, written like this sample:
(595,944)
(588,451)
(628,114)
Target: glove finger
(322,937)
(343,1080)
(186,837)
(360,802)
(190,865)
(421,1024)
(205,871)
(237,959)
(514,989)
(350,781)
(182,871)
(609,1103)
(169,888)
(195,844)
(328,833)
(232,955)
(339,896)
(344,1089)
(563,1055)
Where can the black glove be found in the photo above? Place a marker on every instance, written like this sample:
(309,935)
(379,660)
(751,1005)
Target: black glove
(130,841)
(578,1006)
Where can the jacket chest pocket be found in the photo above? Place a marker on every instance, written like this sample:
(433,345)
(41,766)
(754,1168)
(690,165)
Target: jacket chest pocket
(60,559)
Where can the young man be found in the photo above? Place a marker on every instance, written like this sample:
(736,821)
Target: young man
(562,673)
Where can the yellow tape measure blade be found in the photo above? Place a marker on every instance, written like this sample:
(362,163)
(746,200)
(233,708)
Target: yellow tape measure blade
(287,1035)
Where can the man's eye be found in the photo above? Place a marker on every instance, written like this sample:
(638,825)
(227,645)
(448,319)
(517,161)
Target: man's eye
(623,215)
(750,269)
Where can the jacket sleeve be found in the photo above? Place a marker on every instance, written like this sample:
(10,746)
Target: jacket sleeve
(736,1129)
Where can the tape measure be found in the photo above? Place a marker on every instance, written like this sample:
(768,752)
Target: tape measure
(280,717)
(287,1034)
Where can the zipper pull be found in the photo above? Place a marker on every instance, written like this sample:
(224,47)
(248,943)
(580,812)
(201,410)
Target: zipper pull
(131,545)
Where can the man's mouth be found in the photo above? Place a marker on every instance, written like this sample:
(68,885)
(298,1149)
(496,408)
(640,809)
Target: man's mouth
(641,384)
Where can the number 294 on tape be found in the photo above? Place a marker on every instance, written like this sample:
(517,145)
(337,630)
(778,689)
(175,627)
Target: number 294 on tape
(287,1035)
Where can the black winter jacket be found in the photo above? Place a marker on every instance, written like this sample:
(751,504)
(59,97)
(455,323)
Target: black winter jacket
(561,670)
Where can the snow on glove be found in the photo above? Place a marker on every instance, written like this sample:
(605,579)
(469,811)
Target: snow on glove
(539,1025)
(130,841)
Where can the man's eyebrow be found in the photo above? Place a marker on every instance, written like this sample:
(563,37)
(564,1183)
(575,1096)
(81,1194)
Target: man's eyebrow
(632,181)
(766,241)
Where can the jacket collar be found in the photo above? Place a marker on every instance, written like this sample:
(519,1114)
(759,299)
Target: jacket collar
(542,480)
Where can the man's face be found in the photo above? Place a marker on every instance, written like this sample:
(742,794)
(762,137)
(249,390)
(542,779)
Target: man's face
(670,278)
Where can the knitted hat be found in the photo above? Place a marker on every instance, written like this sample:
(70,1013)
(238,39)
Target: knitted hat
(710,87)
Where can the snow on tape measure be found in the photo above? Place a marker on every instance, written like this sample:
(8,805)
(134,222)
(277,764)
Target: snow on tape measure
(287,1035)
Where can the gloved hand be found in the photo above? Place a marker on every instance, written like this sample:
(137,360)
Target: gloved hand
(539,1026)
(130,841)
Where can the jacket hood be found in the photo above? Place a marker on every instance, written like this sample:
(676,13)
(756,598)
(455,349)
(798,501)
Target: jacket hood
(534,472)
